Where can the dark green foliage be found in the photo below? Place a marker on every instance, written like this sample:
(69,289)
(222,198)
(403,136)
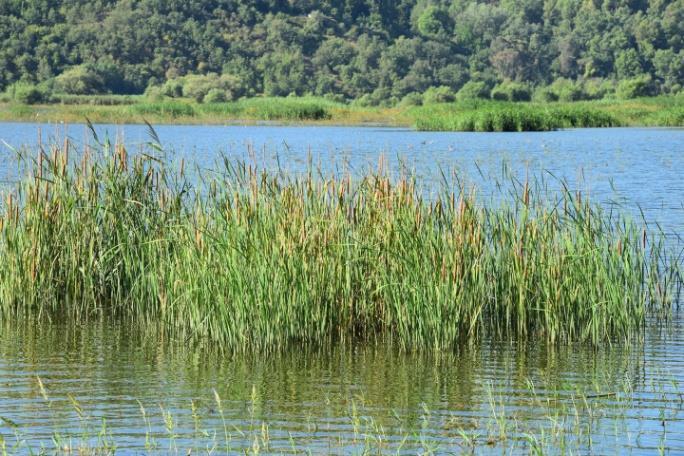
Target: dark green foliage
(566,90)
(512,91)
(563,89)
(215,96)
(636,87)
(412,99)
(434,22)
(597,88)
(25,93)
(223,87)
(438,95)
(80,80)
(545,95)
(376,52)
(473,90)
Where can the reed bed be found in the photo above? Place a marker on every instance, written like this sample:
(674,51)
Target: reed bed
(497,116)
(135,109)
(273,108)
(486,115)
(96,100)
(257,261)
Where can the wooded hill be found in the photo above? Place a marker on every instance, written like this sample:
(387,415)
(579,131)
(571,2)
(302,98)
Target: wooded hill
(376,51)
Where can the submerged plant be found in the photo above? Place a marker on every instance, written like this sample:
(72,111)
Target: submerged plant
(560,422)
(257,261)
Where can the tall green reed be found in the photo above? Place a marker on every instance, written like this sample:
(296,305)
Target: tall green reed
(499,116)
(256,260)
(274,108)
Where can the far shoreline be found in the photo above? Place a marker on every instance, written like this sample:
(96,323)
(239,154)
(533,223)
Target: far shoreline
(465,115)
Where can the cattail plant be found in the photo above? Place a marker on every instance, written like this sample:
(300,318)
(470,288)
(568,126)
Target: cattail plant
(258,261)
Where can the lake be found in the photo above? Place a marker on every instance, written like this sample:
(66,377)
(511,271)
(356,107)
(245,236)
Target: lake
(136,389)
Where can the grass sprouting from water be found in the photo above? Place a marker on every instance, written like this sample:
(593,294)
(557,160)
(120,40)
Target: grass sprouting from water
(498,116)
(258,261)
(485,115)
(564,422)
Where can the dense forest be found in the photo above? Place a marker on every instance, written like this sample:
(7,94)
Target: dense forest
(372,51)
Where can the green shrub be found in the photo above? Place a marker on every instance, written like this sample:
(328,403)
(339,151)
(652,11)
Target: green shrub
(80,80)
(364,101)
(440,94)
(26,93)
(512,91)
(215,96)
(335,97)
(641,86)
(544,94)
(173,88)
(154,93)
(597,88)
(382,96)
(473,90)
(198,86)
(567,90)
(499,94)
(411,99)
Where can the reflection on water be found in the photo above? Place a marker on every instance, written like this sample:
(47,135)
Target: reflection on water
(603,400)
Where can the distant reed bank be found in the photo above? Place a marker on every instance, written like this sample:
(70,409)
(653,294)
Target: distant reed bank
(466,115)
(482,115)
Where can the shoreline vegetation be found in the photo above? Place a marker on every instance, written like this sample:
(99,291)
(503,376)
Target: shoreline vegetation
(257,261)
(374,53)
(466,115)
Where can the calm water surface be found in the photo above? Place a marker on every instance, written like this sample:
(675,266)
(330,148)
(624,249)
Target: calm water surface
(610,401)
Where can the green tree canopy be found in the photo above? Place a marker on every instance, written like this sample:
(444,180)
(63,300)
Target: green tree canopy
(348,49)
